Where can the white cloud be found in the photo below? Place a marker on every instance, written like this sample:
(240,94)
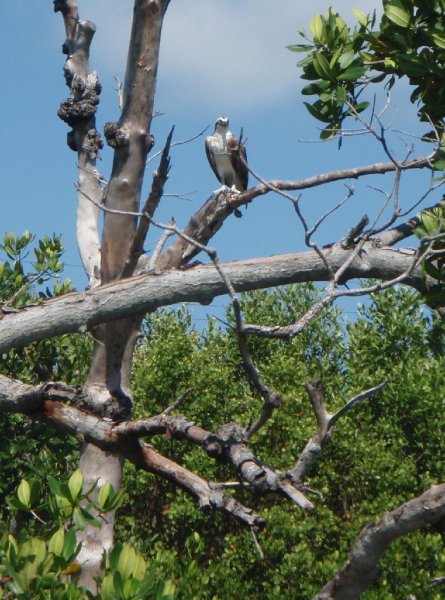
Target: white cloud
(225,54)
(232,53)
(219,52)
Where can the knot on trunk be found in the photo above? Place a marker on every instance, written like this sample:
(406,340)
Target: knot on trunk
(92,143)
(117,137)
(74,111)
(116,406)
(81,106)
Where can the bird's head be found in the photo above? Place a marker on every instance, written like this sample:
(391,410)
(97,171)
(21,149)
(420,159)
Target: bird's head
(222,123)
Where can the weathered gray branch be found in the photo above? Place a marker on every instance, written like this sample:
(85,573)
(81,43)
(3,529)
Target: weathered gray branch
(341,174)
(325,423)
(259,476)
(45,402)
(207,494)
(79,112)
(360,569)
(76,312)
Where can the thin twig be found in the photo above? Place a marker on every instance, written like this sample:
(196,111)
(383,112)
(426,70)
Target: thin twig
(179,143)
(295,203)
(257,544)
(290,331)
(120,93)
(177,402)
(159,246)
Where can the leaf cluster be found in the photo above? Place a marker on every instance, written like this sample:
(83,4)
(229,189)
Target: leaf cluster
(19,287)
(38,566)
(26,269)
(431,231)
(341,61)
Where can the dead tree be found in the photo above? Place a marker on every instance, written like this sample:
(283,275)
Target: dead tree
(124,285)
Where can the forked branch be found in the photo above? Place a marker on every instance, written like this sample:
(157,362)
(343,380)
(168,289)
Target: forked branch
(45,402)
(325,423)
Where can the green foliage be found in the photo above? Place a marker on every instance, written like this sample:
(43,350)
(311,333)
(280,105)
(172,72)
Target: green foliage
(39,566)
(408,42)
(341,62)
(33,567)
(334,64)
(127,577)
(384,453)
(432,245)
(387,451)
(31,450)
(65,357)
(34,560)
(19,288)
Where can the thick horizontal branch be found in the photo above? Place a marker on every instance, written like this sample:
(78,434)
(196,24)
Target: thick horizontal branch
(76,312)
(360,570)
(45,403)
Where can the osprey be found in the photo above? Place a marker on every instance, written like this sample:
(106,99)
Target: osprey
(224,152)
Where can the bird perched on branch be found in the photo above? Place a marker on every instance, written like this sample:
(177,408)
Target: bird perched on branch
(226,154)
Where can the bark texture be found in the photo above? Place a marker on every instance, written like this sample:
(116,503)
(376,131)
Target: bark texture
(360,570)
(79,111)
(108,385)
(76,312)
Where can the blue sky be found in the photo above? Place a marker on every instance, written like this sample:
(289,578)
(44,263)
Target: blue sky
(219,57)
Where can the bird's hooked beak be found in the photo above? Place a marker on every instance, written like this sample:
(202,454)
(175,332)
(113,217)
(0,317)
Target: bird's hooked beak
(222,122)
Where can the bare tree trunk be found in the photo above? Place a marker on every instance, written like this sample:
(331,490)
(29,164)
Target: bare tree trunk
(97,466)
(107,390)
